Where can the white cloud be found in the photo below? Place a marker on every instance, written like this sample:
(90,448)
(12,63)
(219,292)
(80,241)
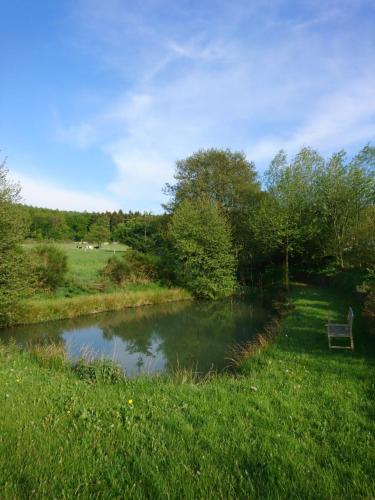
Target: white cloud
(43,193)
(343,118)
(283,82)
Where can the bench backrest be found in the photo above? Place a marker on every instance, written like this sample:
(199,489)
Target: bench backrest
(350,317)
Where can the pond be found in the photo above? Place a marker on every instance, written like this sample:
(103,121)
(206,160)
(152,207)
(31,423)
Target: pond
(154,339)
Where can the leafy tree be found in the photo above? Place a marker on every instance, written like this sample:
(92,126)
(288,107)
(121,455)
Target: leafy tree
(78,224)
(13,277)
(205,261)
(143,233)
(49,266)
(361,240)
(285,219)
(135,233)
(99,232)
(346,191)
(228,179)
(48,224)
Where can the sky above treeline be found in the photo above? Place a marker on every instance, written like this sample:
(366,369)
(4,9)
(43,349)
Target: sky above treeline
(99,98)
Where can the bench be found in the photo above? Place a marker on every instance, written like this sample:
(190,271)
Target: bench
(335,330)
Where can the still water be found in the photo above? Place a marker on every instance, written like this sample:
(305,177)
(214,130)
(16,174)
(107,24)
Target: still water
(154,339)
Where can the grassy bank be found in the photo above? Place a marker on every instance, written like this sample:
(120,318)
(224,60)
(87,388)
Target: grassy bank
(297,422)
(39,310)
(82,294)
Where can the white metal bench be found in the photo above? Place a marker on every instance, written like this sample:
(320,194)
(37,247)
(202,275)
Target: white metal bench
(335,330)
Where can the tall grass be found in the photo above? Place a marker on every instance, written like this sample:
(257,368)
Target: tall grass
(241,352)
(35,311)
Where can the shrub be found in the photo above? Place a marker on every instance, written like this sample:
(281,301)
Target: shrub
(50,266)
(368,290)
(133,267)
(98,370)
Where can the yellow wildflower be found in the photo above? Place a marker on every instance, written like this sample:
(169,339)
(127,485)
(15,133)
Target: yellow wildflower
(130,401)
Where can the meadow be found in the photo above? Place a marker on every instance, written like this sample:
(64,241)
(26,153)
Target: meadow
(294,421)
(84,265)
(84,291)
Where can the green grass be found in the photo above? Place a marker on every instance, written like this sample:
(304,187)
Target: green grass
(84,265)
(296,422)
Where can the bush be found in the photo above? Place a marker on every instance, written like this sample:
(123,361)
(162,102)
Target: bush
(98,370)
(368,290)
(133,267)
(50,266)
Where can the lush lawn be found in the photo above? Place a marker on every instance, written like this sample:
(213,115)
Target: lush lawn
(297,422)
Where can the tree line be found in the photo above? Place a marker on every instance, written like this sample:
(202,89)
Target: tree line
(63,225)
(222,227)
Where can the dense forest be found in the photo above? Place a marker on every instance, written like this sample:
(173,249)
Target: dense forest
(222,228)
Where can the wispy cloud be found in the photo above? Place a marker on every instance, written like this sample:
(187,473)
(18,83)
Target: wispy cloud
(40,192)
(340,119)
(246,77)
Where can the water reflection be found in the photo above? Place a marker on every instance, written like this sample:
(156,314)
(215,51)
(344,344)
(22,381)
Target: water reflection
(154,339)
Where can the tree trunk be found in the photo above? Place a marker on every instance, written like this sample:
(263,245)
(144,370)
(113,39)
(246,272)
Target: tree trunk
(340,260)
(287,266)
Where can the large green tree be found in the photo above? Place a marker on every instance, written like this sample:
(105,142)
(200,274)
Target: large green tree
(13,282)
(205,261)
(346,193)
(228,179)
(285,219)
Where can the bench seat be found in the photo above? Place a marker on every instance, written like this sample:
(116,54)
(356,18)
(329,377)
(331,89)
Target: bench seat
(336,330)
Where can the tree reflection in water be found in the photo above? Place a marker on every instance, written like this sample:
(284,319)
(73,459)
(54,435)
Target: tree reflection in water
(155,338)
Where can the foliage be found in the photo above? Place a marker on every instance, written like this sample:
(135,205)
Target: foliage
(61,225)
(50,266)
(47,224)
(133,267)
(361,240)
(228,179)
(142,233)
(224,177)
(346,190)
(98,370)
(13,270)
(369,307)
(205,262)
(314,211)
(367,288)
(284,220)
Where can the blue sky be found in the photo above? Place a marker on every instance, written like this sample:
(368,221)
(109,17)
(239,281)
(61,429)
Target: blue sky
(98,98)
